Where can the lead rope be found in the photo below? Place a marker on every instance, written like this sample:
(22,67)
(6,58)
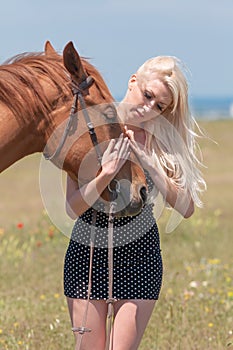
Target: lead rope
(110,301)
(83,329)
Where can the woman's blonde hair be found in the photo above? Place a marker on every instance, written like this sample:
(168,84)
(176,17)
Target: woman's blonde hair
(170,138)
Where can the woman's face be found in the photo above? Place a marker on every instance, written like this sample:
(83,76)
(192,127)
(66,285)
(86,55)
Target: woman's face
(145,100)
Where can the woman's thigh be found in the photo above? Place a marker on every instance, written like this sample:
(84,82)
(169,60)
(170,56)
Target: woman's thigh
(96,321)
(131,319)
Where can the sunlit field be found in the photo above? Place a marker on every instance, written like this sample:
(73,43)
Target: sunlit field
(195,309)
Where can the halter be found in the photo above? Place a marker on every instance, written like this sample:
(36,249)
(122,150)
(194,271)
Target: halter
(78,92)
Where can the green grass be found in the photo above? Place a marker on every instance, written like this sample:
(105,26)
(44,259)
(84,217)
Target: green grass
(194,311)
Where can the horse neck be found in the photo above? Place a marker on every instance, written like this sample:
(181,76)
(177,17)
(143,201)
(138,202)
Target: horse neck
(18,139)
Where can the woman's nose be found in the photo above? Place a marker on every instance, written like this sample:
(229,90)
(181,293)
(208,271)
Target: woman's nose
(149,105)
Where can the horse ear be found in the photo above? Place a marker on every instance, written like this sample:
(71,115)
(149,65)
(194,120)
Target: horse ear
(72,62)
(49,50)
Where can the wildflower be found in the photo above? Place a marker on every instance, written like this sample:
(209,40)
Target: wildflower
(214,261)
(1,331)
(205,283)
(207,309)
(212,291)
(230,295)
(193,284)
(1,231)
(20,225)
(188,294)
(42,297)
(56,295)
(210,324)
(188,269)
(51,233)
(170,291)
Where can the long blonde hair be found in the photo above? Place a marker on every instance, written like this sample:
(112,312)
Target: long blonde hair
(170,137)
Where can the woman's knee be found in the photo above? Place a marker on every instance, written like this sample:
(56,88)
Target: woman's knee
(131,319)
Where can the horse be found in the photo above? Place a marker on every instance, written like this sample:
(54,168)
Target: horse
(36,96)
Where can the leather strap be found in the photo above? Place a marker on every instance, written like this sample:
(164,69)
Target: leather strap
(82,330)
(110,301)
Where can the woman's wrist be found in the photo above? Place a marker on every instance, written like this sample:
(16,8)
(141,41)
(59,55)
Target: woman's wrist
(106,175)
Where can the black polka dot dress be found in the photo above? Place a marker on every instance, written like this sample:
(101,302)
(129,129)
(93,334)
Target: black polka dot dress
(137,262)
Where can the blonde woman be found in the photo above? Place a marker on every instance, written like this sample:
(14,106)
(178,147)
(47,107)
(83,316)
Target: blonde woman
(160,132)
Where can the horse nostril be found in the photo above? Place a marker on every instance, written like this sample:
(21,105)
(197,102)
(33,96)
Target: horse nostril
(143,193)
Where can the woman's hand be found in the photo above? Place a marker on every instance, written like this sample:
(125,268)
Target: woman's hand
(178,198)
(138,150)
(80,199)
(115,156)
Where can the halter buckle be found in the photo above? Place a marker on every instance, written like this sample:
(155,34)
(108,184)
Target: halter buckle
(111,301)
(84,85)
(81,330)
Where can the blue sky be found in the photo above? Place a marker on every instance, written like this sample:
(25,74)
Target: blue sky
(119,35)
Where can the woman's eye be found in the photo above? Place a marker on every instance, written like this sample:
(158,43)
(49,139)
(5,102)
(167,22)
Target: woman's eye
(147,95)
(159,107)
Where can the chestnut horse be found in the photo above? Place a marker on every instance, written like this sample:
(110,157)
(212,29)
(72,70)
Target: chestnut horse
(35,101)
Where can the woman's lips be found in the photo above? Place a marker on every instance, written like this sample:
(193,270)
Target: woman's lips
(140,113)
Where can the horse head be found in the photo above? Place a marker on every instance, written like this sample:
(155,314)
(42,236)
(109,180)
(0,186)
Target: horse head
(78,156)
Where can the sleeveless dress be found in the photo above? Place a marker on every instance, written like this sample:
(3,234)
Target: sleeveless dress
(137,261)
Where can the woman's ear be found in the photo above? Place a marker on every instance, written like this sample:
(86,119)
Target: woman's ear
(132,81)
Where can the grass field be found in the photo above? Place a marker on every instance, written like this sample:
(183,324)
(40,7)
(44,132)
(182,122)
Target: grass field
(195,310)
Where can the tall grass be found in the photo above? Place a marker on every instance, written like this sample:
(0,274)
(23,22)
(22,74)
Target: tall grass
(195,309)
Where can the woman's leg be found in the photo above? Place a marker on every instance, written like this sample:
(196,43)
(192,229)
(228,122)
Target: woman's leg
(96,321)
(131,319)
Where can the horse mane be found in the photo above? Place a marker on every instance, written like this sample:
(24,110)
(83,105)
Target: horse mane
(21,90)
(91,70)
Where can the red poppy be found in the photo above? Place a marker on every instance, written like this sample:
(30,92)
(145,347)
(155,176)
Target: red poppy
(20,225)
(51,233)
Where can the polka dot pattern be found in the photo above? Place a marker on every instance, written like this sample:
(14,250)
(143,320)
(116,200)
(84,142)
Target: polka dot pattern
(137,261)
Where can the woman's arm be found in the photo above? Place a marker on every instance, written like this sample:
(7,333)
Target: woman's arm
(78,200)
(176,197)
